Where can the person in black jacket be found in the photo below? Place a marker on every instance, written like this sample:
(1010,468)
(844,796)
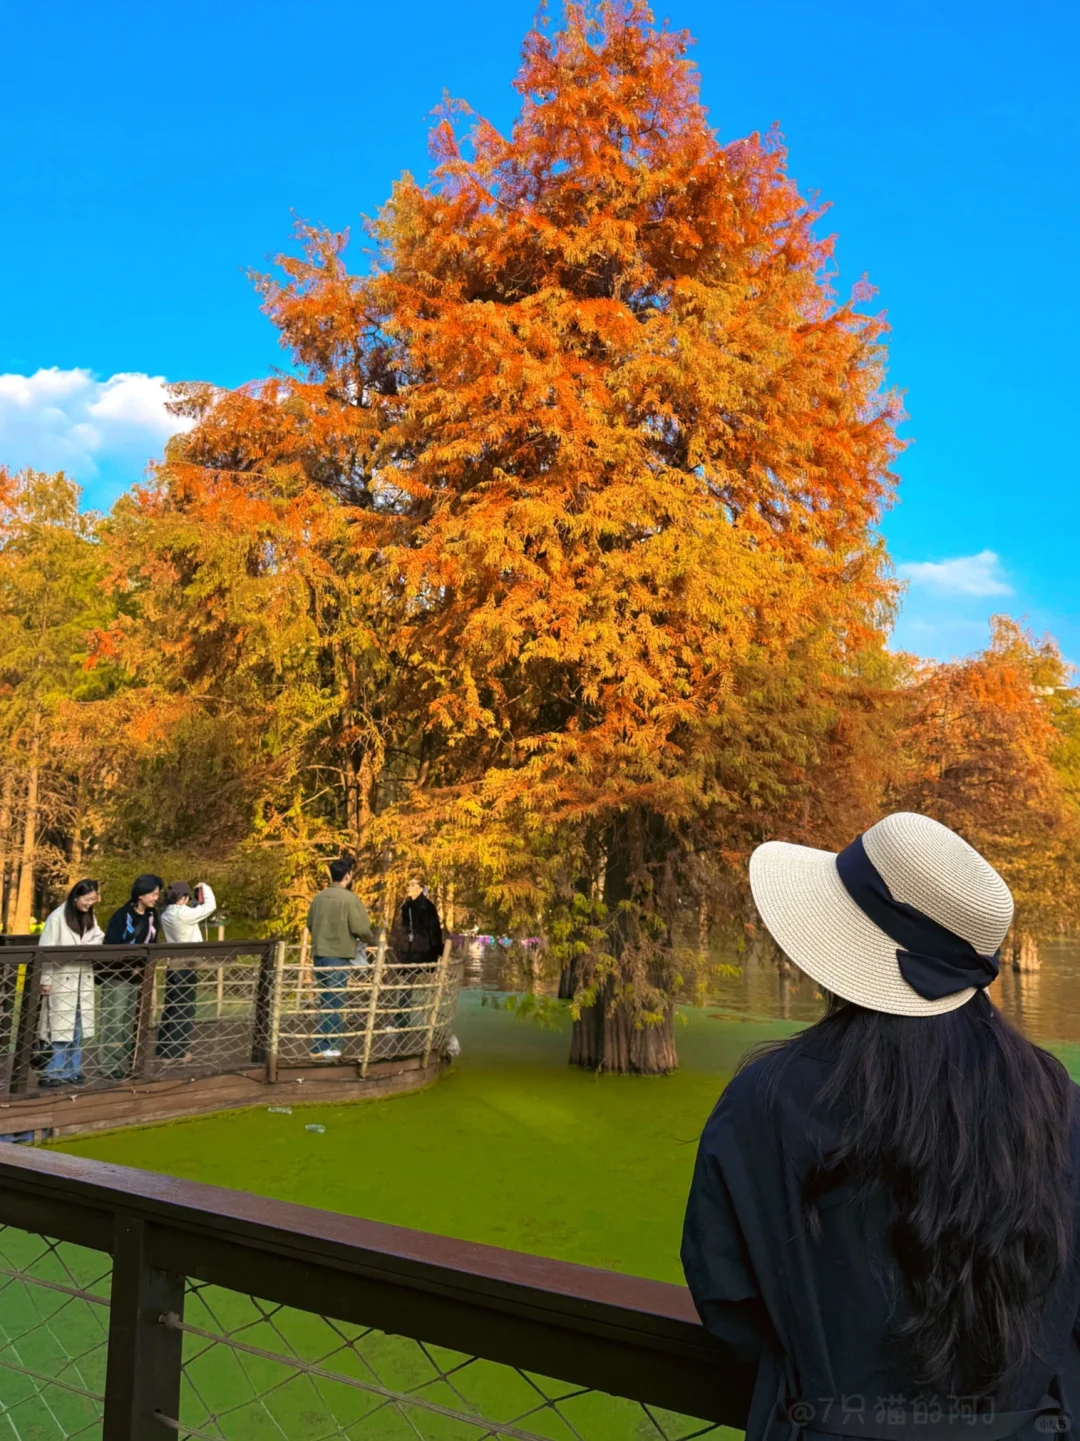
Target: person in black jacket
(118,980)
(416,941)
(883,1229)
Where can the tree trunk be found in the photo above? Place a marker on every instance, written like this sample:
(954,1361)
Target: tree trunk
(609,1035)
(607,1039)
(1026,955)
(75,847)
(364,785)
(24,897)
(7,871)
(783,974)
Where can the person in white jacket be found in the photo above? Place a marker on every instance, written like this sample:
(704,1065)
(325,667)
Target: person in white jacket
(66,1018)
(183,912)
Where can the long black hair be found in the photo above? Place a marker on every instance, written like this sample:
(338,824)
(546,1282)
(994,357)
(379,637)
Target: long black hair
(143,886)
(967,1125)
(79,921)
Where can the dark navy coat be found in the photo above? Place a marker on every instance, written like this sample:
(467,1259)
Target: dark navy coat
(809,1325)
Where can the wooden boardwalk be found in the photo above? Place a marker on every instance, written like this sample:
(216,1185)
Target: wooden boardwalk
(49,1114)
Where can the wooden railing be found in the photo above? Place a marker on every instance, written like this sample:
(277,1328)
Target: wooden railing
(234,1005)
(203,1312)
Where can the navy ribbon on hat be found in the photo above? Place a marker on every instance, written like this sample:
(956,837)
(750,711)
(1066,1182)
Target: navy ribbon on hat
(933,960)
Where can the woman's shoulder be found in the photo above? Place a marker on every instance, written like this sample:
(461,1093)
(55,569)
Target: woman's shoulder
(117,918)
(779,1080)
(53,927)
(744,1099)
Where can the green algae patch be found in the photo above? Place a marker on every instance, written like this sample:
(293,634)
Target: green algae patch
(512,1147)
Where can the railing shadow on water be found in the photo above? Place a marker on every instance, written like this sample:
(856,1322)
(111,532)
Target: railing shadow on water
(181,1012)
(134,1307)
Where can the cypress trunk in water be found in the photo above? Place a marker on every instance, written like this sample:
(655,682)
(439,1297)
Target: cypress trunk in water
(610,1035)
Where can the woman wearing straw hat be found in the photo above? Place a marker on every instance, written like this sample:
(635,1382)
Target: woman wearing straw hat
(882,1227)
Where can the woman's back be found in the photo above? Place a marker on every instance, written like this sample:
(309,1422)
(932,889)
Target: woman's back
(882,1227)
(812,1301)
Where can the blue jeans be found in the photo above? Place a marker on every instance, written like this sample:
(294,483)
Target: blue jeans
(65,1063)
(333,976)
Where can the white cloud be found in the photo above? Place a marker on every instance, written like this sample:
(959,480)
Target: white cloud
(69,420)
(965,575)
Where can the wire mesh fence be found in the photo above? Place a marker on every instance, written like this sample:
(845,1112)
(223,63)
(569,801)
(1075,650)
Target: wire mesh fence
(377,1009)
(253,1369)
(179,1013)
(227,1317)
(54,1332)
(13,1017)
(103,1018)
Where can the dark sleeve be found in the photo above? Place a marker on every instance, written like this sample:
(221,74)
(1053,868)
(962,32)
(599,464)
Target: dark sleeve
(399,937)
(434,926)
(716,1261)
(114,931)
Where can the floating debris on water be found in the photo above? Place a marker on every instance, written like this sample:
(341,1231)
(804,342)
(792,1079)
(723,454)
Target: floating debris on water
(315,1130)
(280,1110)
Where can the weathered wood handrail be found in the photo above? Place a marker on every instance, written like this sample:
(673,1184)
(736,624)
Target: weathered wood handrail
(629,1337)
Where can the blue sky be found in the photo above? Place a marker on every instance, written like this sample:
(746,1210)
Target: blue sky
(153,154)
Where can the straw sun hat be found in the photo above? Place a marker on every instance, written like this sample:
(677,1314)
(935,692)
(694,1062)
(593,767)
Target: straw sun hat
(908,919)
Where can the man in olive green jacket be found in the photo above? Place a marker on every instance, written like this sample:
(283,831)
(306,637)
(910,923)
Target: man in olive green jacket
(338,924)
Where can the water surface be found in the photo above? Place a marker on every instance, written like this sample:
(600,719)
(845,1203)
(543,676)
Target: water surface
(1044,1004)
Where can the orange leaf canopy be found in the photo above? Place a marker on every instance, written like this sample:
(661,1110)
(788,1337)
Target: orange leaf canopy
(609,448)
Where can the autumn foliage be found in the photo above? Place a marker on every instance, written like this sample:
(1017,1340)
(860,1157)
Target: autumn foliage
(550,564)
(993,748)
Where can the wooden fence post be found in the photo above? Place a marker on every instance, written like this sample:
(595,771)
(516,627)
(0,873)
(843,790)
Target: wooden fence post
(260,1022)
(142,1376)
(436,1005)
(275,1011)
(144,1017)
(373,1003)
(9,984)
(303,969)
(26,1034)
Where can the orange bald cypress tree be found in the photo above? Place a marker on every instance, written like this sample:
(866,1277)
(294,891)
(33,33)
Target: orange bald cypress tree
(610,455)
(992,749)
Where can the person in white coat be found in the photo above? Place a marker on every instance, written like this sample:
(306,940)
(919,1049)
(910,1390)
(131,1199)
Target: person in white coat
(184,910)
(66,1018)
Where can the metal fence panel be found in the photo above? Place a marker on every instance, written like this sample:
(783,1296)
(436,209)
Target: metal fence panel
(173,1013)
(252,1369)
(54,1331)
